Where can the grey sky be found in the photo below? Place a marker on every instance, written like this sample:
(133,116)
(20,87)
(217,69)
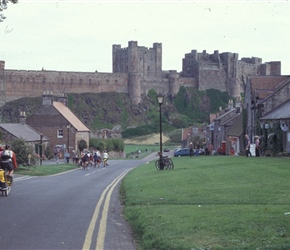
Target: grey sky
(78,35)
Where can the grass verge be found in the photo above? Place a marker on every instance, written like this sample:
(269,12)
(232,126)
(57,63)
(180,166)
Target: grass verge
(45,170)
(217,202)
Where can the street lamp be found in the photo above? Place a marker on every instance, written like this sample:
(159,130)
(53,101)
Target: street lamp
(40,149)
(68,127)
(160,99)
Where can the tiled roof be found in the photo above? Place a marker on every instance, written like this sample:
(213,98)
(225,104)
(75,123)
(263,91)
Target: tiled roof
(237,128)
(70,117)
(23,131)
(265,85)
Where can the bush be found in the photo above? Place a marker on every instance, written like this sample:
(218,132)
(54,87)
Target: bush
(110,144)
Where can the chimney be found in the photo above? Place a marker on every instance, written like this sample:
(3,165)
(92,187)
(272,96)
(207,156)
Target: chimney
(47,98)
(61,98)
(22,117)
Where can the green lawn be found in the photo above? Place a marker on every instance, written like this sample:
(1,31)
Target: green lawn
(210,202)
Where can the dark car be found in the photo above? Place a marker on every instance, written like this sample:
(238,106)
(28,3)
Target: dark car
(182,152)
(166,150)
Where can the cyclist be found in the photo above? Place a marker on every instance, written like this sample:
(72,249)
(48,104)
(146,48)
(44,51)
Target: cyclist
(8,160)
(105,158)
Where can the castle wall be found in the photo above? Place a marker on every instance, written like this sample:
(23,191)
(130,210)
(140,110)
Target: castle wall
(21,83)
(2,85)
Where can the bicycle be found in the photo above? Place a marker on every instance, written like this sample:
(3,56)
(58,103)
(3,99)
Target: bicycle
(167,163)
(5,182)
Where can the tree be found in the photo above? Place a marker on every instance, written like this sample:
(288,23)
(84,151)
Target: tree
(82,145)
(3,6)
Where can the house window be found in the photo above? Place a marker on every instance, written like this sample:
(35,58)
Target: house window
(59,133)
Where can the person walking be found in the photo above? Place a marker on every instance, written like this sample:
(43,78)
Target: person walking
(248,146)
(190,149)
(257,146)
(67,156)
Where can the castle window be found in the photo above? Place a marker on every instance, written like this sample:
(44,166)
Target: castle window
(33,79)
(27,79)
(59,133)
(148,68)
(62,81)
(71,81)
(81,81)
(116,81)
(21,79)
(107,81)
(43,80)
(90,81)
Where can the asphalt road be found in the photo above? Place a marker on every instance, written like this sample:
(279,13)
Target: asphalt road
(74,210)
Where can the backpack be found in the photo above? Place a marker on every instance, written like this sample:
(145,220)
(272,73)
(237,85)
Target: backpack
(85,157)
(6,155)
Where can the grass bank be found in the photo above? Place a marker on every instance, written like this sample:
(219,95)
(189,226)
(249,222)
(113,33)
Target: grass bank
(45,170)
(210,202)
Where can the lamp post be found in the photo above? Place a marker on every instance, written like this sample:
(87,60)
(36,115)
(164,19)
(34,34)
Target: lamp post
(160,99)
(40,149)
(68,127)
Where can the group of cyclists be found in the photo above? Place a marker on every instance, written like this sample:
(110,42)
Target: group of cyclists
(88,158)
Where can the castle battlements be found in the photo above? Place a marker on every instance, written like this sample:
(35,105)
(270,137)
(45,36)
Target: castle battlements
(136,70)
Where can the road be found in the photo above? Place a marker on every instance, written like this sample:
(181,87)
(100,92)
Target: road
(79,209)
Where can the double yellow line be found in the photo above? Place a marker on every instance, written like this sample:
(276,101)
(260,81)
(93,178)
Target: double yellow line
(103,222)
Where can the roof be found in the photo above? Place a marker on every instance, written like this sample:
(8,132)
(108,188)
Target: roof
(265,85)
(237,128)
(70,117)
(282,112)
(23,131)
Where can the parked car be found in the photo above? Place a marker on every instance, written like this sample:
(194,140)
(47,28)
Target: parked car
(166,150)
(182,152)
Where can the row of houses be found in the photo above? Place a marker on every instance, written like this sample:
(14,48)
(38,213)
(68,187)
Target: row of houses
(266,102)
(53,124)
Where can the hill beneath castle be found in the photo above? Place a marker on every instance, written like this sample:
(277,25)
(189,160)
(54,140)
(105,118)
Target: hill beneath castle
(106,110)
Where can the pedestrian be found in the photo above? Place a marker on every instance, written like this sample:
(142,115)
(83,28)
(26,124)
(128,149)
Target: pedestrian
(190,149)
(8,160)
(210,147)
(248,146)
(197,149)
(56,155)
(257,146)
(67,156)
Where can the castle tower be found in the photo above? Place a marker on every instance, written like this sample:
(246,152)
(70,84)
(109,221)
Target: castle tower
(173,82)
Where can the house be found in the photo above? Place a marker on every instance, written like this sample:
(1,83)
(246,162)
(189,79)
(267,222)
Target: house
(12,131)
(56,121)
(225,129)
(258,89)
(275,108)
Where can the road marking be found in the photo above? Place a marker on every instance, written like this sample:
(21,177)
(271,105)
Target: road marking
(102,228)
(23,178)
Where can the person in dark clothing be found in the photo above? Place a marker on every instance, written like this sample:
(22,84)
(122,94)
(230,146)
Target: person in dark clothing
(248,145)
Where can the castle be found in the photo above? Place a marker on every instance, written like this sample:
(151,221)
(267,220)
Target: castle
(136,70)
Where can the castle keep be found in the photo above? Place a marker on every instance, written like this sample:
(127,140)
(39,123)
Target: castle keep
(136,70)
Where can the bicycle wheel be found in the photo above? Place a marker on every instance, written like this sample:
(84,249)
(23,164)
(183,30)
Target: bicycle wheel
(157,164)
(171,163)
